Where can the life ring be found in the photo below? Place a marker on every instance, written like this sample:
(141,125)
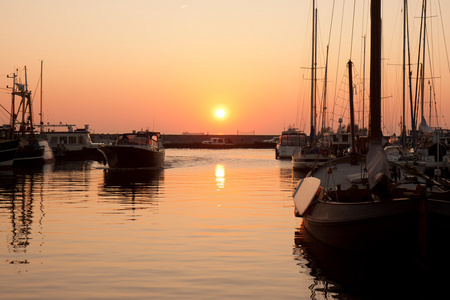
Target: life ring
(325,152)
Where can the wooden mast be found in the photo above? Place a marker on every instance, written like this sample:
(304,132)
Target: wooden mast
(375,71)
(41,123)
(352,110)
(312,133)
(404,75)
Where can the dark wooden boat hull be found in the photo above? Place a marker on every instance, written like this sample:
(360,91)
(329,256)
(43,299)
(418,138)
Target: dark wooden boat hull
(132,157)
(8,150)
(364,226)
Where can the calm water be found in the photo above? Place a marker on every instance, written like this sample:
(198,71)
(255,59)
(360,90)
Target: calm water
(214,224)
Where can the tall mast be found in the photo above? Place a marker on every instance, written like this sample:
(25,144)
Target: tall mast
(40,114)
(13,104)
(312,71)
(364,83)
(375,71)
(324,108)
(404,74)
(429,117)
(412,107)
(423,54)
(352,111)
(315,74)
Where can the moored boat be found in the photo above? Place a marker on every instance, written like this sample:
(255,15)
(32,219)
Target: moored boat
(218,142)
(309,157)
(351,203)
(31,150)
(289,143)
(141,149)
(71,144)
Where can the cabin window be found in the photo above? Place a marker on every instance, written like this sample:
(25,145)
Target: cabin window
(345,138)
(63,140)
(81,139)
(335,138)
(294,140)
(54,140)
(72,139)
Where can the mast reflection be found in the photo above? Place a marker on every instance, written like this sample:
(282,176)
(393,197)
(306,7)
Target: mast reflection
(18,190)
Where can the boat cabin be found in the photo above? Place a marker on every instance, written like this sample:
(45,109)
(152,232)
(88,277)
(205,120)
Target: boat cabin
(140,139)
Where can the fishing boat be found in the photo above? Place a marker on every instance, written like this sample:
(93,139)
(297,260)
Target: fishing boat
(289,143)
(71,144)
(32,151)
(350,202)
(143,149)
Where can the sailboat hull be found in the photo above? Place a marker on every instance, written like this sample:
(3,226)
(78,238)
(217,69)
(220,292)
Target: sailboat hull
(364,226)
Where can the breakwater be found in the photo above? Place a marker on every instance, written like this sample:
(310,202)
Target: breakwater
(195,141)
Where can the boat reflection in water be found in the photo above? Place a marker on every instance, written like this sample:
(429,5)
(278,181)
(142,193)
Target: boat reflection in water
(136,187)
(22,203)
(345,275)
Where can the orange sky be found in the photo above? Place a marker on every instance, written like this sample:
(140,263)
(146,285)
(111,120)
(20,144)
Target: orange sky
(120,65)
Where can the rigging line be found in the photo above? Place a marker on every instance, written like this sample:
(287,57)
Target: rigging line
(416,96)
(331,23)
(339,52)
(353,26)
(5,109)
(443,34)
(34,95)
(427,36)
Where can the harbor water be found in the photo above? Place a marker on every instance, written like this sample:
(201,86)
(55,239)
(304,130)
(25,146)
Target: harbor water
(213,224)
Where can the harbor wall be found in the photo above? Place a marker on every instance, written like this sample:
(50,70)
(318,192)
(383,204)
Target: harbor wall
(196,140)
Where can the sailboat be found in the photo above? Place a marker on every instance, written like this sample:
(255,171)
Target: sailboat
(31,150)
(315,153)
(350,203)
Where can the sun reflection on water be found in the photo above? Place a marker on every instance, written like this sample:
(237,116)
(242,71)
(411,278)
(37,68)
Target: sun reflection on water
(220,176)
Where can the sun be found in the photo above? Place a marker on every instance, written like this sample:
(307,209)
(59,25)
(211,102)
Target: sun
(220,113)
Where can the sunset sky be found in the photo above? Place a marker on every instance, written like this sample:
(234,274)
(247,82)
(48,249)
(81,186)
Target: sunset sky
(169,65)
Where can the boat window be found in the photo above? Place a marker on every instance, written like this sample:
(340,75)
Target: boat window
(72,139)
(81,139)
(54,140)
(63,139)
(294,140)
(345,138)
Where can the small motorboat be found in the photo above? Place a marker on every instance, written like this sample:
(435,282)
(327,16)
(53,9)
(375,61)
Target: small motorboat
(143,149)
(218,143)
